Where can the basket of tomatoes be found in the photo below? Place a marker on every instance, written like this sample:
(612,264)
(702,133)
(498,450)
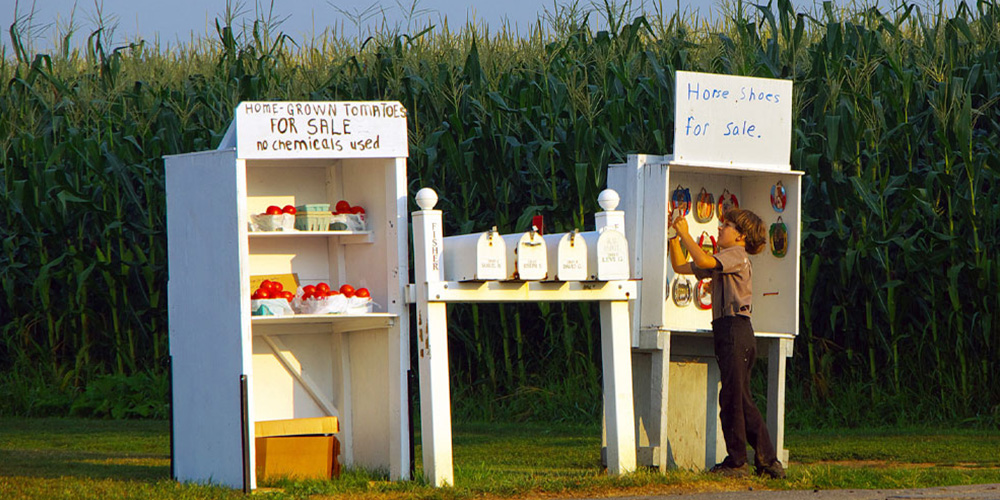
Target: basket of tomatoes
(322,299)
(348,218)
(275,218)
(271,299)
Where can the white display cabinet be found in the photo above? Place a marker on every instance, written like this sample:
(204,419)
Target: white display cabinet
(352,366)
(731,133)
(674,364)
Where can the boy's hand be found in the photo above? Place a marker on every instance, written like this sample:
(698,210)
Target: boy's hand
(681,225)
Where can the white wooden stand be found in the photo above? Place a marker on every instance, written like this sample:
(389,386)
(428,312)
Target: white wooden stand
(432,294)
(676,376)
(350,366)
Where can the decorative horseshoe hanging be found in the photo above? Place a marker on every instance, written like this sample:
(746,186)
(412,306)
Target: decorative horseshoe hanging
(727,202)
(778,197)
(779,238)
(704,296)
(708,243)
(705,207)
(681,199)
(682,291)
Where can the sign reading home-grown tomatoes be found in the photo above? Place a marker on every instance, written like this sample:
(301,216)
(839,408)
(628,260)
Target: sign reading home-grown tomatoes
(341,129)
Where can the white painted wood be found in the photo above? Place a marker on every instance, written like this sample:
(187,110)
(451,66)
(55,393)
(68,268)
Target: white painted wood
(567,256)
(527,258)
(320,130)
(654,182)
(435,398)
(776,280)
(340,356)
(432,348)
(721,119)
(209,339)
(277,393)
(357,365)
(294,368)
(658,392)
(647,183)
(528,291)
(778,352)
(477,256)
(371,413)
(307,324)
(398,277)
(618,404)
(432,296)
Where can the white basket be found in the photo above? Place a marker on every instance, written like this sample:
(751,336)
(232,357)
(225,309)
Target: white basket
(271,307)
(337,304)
(280,222)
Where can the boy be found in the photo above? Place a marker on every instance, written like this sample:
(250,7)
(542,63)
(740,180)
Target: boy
(735,346)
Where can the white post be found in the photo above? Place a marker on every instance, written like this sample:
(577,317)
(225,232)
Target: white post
(619,413)
(609,218)
(779,350)
(432,343)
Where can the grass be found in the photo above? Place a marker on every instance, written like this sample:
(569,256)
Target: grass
(84,459)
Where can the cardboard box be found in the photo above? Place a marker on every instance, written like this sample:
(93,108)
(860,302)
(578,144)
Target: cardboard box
(297,427)
(302,448)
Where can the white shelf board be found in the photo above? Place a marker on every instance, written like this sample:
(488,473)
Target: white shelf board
(529,291)
(300,324)
(345,237)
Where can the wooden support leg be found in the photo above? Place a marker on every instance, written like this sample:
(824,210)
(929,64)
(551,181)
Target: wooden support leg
(658,392)
(778,352)
(619,414)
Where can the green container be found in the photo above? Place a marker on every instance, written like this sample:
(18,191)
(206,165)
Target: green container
(313,221)
(313,207)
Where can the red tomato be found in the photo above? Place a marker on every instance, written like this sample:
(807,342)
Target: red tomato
(306,295)
(347,289)
(263,294)
(273,210)
(357,210)
(308,290)
(288,209)
(287,295)
(343,207)
(255,295)
(322,288)
(331,293)
(363,293)
(276,287)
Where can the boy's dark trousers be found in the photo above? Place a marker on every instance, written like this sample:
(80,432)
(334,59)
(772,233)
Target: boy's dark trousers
(735,351)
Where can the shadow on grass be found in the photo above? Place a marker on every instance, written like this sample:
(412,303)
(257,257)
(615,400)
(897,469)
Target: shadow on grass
(83,465)
(85,449)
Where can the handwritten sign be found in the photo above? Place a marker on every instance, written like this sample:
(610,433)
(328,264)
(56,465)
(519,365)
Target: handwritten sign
(733,120)
(343,129)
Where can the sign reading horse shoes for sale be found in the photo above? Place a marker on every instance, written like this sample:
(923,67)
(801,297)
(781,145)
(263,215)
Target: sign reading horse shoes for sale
(725,120)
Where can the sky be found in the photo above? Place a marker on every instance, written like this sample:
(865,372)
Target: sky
(176,21)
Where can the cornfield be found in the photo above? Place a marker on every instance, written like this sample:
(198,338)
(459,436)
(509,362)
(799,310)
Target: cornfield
(896,126)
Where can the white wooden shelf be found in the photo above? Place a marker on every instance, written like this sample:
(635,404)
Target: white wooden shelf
(346,237)
(300,324)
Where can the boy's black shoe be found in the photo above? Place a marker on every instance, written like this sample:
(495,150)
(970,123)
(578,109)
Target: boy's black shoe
(774,471)
(726,470)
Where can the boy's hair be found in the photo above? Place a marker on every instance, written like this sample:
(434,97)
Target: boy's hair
(751,227)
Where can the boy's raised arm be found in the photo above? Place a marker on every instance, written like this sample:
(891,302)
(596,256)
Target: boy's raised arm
(699,257)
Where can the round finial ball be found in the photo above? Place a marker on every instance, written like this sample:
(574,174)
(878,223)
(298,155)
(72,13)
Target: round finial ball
(608,199)
(426,198)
